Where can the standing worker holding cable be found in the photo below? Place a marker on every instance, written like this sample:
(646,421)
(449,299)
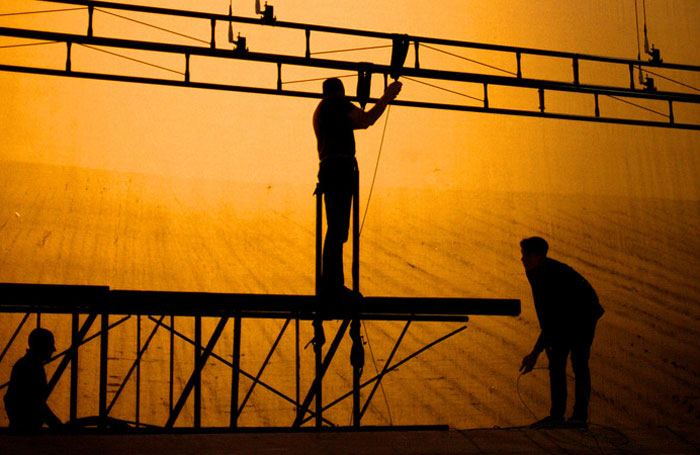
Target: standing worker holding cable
(334,121)
(568,310)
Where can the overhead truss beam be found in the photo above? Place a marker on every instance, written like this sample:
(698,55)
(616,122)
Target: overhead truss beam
(487,81)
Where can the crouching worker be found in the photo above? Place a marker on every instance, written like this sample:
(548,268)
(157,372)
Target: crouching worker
(568,310)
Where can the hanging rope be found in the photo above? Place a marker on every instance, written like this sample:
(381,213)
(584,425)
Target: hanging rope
(376,166)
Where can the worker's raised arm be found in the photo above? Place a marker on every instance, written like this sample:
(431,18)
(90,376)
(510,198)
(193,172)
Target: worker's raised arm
(361,119)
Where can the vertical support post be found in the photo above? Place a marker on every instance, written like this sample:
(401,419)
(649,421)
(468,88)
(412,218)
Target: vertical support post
(319,336)
(631,76)
(279,77)
(356,231)
(38,320)
(73,412)
(197,371)
(308,42)
(357,358)
(416,46)
(597,106)
(213,34)
(670,111)
(104,345)
(137,411)
(486,96)
(541,93)
(517,59)
(575,63)
(172,363)
(68,63)
(297,365)
(235,370)
(319,237)
(187,67)
(318,383)
(91,10)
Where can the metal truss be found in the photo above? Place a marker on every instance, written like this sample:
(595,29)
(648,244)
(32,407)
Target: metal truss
(112,308)
(644,89)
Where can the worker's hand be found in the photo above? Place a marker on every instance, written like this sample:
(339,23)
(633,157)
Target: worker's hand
(529,362)
(393,90)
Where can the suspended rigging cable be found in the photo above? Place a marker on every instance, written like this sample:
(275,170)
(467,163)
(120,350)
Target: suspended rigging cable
(376,166)
(376,370)
(636,20)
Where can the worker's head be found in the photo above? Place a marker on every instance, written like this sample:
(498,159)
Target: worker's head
(534,251)
(333,87)
(41,342)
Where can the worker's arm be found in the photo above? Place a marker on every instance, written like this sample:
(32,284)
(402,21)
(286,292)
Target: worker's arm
(361,119)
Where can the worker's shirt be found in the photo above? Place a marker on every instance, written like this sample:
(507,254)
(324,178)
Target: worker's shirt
(334,128)
(566,304)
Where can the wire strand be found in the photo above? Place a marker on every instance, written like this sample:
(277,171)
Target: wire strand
(639,106)
(351,49)
(27,44)
(443,88)
(23,13)
(132,59)
(672,80)
(153,26)
(376,371)
(636,20)
(376,166)
(318,79)
(469,59)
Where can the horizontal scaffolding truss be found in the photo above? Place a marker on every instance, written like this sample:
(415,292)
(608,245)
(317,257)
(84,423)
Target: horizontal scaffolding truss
(641,90)
(108,309)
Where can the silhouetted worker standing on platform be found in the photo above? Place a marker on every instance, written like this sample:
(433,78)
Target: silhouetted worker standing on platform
(334,120)
(568,310)
(25,400)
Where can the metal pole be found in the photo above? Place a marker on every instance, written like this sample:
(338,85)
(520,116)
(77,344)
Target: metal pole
(104,344)
(73,413)
(235,371)
(138,367)
(357,357)
(172,363)
(319,336)
(197,371)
